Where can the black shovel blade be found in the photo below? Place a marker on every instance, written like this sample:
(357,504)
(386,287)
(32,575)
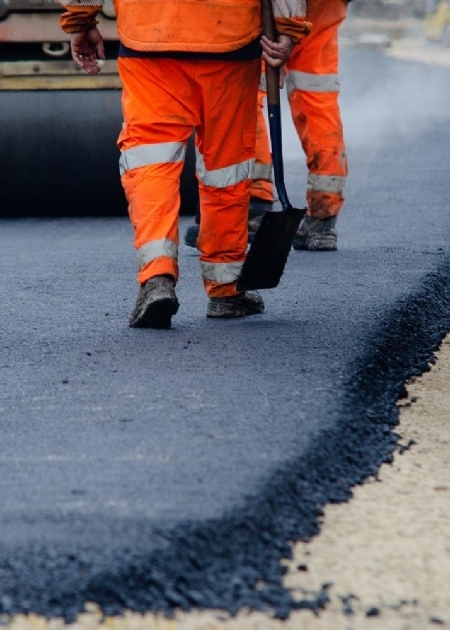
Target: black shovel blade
(267,256)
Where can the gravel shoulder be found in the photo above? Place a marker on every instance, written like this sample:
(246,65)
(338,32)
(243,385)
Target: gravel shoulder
(418,50)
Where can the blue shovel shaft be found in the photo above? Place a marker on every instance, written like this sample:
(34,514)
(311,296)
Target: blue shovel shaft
(274,112)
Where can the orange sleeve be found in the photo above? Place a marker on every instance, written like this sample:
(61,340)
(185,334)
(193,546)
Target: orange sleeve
(79,18)
(293,27)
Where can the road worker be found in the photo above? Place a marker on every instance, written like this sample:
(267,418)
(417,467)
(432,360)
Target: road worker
(312,85)
(188,65)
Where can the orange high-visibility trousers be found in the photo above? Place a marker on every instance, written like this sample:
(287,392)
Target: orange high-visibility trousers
(163,100)
(312,84)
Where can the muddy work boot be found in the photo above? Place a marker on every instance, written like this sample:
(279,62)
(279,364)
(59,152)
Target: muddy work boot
(248,303)
(156,303)
(316,235)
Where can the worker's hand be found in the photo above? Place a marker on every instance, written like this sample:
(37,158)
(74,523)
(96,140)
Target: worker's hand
(277,53)
(86,48)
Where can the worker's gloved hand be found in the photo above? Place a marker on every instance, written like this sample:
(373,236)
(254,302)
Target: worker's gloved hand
(87,47)
(277,53)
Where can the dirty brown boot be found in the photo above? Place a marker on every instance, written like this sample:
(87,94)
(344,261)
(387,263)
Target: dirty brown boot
(248,303)
(155,304)
(316,235)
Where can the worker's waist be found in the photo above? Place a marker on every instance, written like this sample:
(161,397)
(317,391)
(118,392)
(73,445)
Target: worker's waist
(247,53)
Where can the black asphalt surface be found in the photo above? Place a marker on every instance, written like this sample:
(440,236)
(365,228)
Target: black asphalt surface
(162,469)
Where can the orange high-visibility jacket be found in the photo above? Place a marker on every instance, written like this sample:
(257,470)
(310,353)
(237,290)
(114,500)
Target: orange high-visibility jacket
(188,25)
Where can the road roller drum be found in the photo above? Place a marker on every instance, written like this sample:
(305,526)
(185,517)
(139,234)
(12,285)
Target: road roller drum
(58,154)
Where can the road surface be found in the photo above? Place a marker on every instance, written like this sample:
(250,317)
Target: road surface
(154,470)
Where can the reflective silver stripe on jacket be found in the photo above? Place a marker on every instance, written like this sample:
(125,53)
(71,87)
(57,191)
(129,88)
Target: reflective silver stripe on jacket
(224,177)
(263,171)
(155,249)
(82,3)
(312,82)
(147,154)
(222,273)
(326,183)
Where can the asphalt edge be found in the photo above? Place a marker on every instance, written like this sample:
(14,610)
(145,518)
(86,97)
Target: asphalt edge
(235,562)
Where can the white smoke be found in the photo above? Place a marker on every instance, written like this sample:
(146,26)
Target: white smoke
(406,98)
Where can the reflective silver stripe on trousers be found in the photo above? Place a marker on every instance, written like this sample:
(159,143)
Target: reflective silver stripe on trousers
(222,273)
(224,177)
(263,171)
(147,154)
(155,249)
(263,82)
(312,82)
(326,183)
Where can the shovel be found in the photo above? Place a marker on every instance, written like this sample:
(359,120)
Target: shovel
(273,240)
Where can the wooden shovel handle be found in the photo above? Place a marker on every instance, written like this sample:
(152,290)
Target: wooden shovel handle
(272,74)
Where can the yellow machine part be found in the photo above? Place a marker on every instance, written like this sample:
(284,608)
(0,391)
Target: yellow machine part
(437,21)
(56,75)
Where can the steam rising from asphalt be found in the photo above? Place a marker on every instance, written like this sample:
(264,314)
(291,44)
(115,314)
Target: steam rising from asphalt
(381,98)
(401,97)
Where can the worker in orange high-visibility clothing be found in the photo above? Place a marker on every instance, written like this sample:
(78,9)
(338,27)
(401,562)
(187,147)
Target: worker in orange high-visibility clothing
(312,84)
(188,65)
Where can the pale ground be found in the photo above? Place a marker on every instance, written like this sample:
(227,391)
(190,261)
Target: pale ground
(387,551)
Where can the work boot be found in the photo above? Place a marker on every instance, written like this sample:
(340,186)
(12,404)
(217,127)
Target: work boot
(248,303)
(191,235)
(156,303)
(316,235)
(256,211)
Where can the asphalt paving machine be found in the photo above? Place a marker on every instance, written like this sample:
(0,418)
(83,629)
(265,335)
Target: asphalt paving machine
(59,126)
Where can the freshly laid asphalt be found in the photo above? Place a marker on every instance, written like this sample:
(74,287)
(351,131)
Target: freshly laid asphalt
(161,469)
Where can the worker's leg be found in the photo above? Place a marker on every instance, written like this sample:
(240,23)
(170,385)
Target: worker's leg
(261,192)
(225,162)
(152,148)
(313,89)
